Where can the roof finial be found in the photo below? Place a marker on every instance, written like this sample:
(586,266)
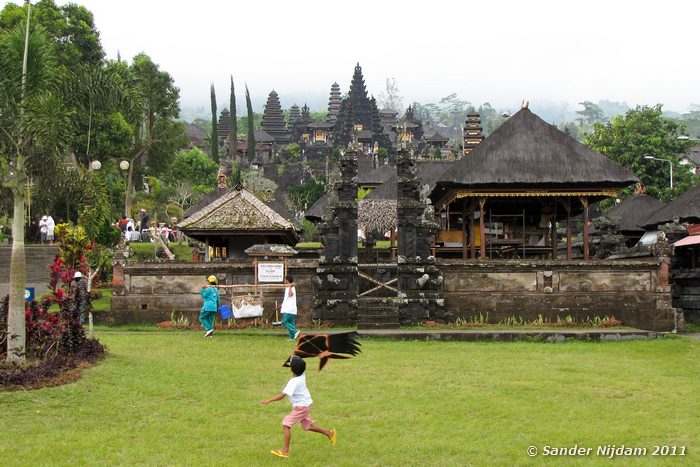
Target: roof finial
(525,104)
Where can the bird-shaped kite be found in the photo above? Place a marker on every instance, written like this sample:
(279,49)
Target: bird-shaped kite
(326,346)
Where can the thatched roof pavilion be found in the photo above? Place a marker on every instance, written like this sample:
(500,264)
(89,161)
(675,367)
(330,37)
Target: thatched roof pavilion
(235,221)
(530,171)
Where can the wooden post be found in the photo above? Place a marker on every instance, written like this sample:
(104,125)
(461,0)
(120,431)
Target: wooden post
(482,227)
(555,240)
(464,231)
(584,201)
(472,237)
(569,246)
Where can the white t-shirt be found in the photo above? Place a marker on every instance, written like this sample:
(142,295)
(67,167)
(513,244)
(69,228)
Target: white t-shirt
(289,305)
(297,392)
(50,225)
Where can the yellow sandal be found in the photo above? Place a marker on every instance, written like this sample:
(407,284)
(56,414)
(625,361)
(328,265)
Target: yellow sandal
(278,453)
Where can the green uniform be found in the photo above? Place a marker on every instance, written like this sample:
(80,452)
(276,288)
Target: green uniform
(211,304)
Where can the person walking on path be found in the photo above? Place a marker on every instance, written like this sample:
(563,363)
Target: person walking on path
(300,398)
(210,295)
(289,308)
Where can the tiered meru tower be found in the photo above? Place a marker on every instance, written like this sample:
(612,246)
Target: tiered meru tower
(273,120)
(419,278)
(337,280)
(333,104)
(472,133)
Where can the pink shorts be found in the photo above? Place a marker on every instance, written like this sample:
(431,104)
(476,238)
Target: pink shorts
(300,414)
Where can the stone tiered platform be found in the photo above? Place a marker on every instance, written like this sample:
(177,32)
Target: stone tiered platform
(377,313)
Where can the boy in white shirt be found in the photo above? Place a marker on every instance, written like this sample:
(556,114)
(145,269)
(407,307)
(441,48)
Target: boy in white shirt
(289,308)
(300,397)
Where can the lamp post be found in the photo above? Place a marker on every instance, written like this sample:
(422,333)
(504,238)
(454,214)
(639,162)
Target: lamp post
(124,165)
(670,164)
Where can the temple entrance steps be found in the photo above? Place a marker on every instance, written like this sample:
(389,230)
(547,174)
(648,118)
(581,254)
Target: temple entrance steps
(377,313)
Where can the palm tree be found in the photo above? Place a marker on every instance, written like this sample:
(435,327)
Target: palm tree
(35,124)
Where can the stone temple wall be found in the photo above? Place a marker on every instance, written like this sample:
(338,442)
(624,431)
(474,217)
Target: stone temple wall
(637,292)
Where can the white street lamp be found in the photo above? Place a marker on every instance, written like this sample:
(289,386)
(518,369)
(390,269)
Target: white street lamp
(95,165)
(124,165)
(670,164)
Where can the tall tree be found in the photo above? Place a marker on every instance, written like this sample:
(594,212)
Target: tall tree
(591,113)
(153,118)
(232,127)
(214,139)
(70,28)
(34,123)
(251,126)
(642,132)
(391,98)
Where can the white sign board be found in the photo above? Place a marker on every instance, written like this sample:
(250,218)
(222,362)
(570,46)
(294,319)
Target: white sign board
(271,272)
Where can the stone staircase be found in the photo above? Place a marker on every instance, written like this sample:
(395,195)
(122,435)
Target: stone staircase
(38,258)
(377,313)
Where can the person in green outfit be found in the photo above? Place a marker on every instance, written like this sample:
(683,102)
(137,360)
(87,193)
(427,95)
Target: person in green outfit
(210,295)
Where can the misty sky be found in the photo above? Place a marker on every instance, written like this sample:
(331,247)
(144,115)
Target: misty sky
(641,52)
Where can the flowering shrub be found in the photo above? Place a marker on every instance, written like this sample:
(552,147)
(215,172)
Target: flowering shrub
(56,341)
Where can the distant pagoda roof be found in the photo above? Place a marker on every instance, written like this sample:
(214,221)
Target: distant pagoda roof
(436,136)
(273,121)
(320,125)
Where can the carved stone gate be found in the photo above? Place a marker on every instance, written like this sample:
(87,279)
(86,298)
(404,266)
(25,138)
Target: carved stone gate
(373,294)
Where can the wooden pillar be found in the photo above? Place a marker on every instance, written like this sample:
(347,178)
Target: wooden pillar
(584,201)
(392,242)
(464,231)
(555,240)
(472,237)
(569,247)
(482,227)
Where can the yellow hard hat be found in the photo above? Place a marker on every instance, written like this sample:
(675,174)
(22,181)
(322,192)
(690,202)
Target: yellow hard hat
(211,279)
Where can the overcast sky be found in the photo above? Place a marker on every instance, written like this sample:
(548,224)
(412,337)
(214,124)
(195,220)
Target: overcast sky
(641,52)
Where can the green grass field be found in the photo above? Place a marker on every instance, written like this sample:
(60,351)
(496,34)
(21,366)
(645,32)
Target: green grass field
(177,399)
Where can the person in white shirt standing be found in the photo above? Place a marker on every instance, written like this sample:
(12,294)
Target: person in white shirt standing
(289,308)
(300,397)
(50,228)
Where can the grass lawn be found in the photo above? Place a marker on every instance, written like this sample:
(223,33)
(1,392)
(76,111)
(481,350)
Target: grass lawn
(177,399)
(147,251)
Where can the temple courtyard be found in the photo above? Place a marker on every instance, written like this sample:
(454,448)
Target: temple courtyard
(173,398)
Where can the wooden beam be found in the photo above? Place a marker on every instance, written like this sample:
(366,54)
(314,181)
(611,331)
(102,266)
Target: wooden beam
(555,240)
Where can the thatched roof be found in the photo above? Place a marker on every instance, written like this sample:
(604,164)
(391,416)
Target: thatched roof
(527,152)
(428,173)
(210,197)
(270,249)
(315,212)
(377,211)
(436,136)
(238,210)
(378,176)
(686,208)
(634,212)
